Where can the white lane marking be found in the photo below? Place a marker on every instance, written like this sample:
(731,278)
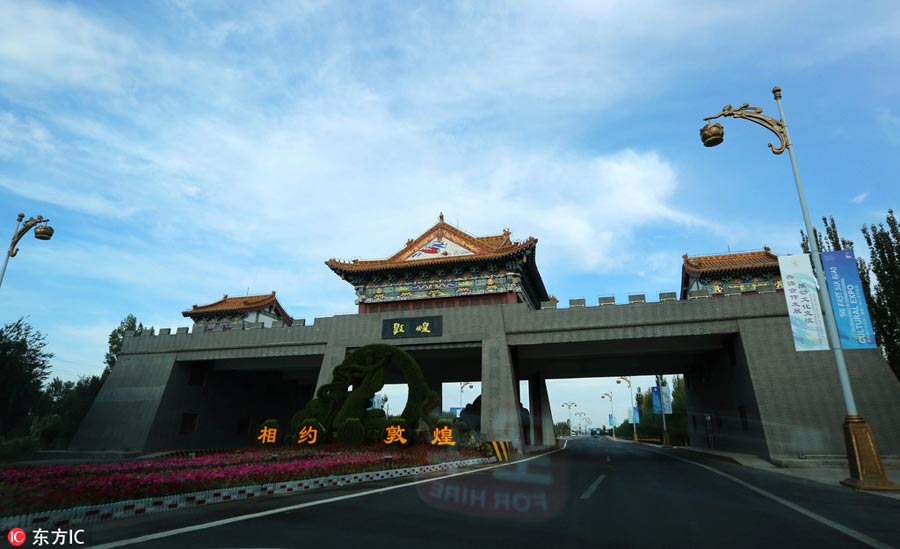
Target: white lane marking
(223,522)
(590,491)
(859,536)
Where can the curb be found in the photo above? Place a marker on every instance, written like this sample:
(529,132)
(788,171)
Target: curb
(707,455)
(158,504)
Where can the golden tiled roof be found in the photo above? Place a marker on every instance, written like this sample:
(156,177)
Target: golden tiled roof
(242,304)
(486,247)
(722,263)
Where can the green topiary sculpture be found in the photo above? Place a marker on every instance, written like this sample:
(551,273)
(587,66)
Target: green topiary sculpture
(364,368)
(351,432)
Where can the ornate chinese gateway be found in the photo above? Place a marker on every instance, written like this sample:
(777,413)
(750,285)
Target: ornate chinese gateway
(246,361)
(447,267)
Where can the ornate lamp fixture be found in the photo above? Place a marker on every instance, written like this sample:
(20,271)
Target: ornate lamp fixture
(714,134)
(42,231)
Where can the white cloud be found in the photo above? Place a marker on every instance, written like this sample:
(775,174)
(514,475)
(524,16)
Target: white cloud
(82,200)
(18,135)
(44,46)
(858,199)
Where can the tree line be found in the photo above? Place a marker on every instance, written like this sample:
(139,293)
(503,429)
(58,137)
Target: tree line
(35,413)
(650,424)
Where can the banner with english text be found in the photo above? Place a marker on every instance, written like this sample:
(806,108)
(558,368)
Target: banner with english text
(851,314)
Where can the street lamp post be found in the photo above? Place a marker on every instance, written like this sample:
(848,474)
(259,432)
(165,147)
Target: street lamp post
(866,468)
(570,405)
(612,411)
(581,416)
(42,231)
(464,385)
(627,380)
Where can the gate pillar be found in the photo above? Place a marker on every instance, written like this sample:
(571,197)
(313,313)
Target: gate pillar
(499,407)
(541,416)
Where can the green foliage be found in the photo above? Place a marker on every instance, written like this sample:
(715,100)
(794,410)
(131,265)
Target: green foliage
(48,431)
(24,365)
(460,432)
(17,449)
(884,303)
(677,423)
(561,429)
(422,435)
(835,240)
(116,337)
(351,432)
(71,401)
(376,421)
(469,440)
(651,424)
(363,369)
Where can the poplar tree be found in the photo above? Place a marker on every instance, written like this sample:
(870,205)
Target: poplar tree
(837,242)
(880,278)
(116,337)
(24,365)
(884,249)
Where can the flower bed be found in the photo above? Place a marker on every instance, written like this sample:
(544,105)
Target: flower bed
(40,488)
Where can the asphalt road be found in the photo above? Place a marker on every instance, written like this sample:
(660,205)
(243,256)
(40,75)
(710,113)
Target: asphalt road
(595,493)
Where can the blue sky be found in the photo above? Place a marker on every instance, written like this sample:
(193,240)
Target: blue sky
(187,150)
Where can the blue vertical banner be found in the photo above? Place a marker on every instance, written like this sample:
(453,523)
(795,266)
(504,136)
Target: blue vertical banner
(636,418)
(657,406)
(800,292)
(851,313)
(667,399)
(611,421)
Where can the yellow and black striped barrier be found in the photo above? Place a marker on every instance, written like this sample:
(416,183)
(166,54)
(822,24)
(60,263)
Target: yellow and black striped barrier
(503,449)
(656,440)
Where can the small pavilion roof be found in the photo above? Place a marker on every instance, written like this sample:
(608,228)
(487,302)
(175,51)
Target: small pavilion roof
(242,304)
(758,260)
